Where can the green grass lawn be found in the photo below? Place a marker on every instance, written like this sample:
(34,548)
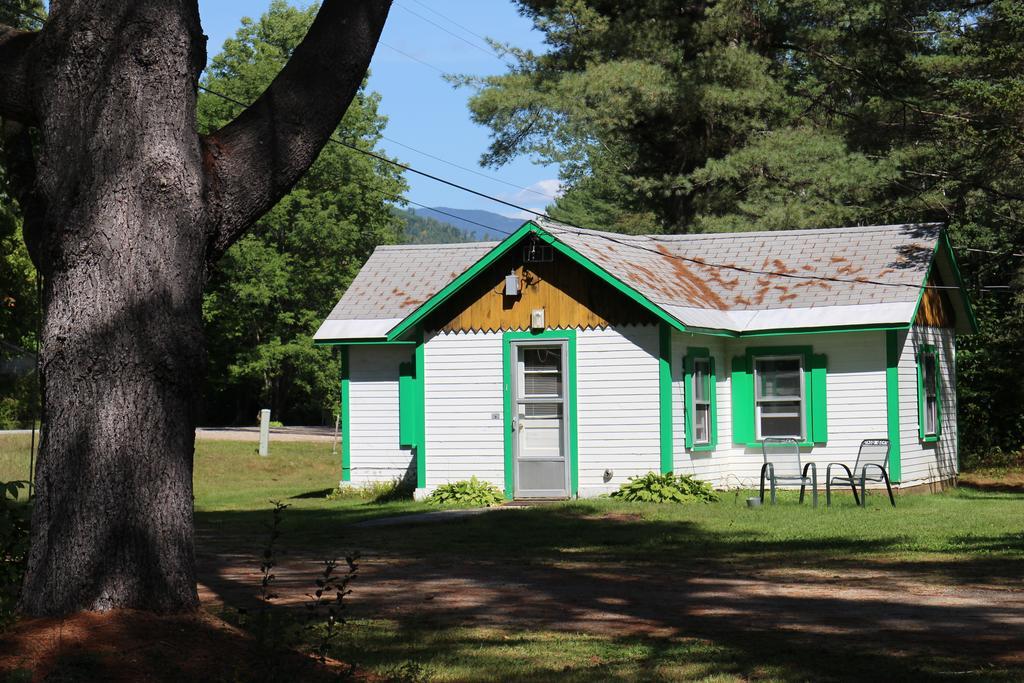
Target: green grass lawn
(965,536)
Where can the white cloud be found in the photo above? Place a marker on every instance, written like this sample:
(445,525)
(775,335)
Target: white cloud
(537,196)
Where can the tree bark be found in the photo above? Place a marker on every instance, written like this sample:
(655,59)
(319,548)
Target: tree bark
(133,206)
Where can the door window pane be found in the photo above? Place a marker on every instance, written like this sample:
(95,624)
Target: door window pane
(553,410)
(542,360)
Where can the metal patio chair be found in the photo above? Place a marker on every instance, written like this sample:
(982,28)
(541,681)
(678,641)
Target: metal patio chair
(782,464)
(873,457)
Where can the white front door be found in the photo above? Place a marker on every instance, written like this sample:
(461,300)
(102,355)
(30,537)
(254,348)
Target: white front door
(541,465)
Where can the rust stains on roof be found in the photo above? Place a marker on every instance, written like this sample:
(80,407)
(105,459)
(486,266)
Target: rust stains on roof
(780,267)
(838,259)
(688,284)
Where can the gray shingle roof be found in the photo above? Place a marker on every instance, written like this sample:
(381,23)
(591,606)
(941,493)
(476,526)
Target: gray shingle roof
(707,280)
(396,279)
(796,268)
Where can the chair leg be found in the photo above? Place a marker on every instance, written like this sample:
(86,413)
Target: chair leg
(814,488)
(853,487)
(773,488)
(763,468)
(802,487)
(828,492)
(888,487)
(863,489)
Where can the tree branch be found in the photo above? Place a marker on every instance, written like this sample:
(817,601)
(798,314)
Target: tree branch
(15,94)
(256,159)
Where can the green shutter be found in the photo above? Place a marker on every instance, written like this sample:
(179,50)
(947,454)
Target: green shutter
(714,404)
(819,399)
(742,402)
(920,398)
(408,415)
(938,396)
(687,400)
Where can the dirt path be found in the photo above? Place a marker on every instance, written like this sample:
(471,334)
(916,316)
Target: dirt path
(903,613)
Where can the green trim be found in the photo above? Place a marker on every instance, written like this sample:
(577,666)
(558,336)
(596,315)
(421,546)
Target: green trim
(611,280)
(411,411)
(570,398)
(924,284)
(345,417)
(382,342)
(892,402)
(823,330)
(507,245)
(665,395)
(692,353)
(420,419)
(819,398)
(742,382)
(960,282)
(925,437)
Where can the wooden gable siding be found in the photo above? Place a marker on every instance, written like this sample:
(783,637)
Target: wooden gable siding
(570,296)
(935,309)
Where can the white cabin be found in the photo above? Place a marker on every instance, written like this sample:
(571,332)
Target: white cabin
(561,361)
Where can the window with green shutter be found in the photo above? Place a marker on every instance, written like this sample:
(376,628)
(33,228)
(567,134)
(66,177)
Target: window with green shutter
(701,410)
(408,411)
(780,392)
(929,401)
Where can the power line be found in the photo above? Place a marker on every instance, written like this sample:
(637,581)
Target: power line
(989,251)
(486,51)
(566,227)
(450,20)
(471,170)
(415,59)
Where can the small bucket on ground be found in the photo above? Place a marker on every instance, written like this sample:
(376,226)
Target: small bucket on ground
(754,502)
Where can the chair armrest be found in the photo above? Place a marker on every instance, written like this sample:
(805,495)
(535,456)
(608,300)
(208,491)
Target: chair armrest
(828,470)
(873,464)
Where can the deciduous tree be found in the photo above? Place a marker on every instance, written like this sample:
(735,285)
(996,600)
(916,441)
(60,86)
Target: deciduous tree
(127,207)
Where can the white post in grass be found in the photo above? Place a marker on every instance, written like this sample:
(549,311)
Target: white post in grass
(265,432)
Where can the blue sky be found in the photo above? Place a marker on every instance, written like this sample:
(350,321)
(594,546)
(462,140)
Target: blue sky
(423,110)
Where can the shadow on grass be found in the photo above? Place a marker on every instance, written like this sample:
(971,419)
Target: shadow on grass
(757,604)
(320,494)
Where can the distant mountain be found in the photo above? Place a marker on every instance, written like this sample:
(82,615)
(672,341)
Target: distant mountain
(467,220)
(426,230)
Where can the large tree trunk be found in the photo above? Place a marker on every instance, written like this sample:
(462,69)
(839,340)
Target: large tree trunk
(123,258)
(126,208)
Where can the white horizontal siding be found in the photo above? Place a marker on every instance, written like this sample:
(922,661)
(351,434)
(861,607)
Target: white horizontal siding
(712,466)
(373,414)
(855,385)
(463,374)
(924,463)
(617,405)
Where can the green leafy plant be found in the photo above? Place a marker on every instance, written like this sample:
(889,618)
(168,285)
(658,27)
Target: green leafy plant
(472,492)
(666,488)
(329,581)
